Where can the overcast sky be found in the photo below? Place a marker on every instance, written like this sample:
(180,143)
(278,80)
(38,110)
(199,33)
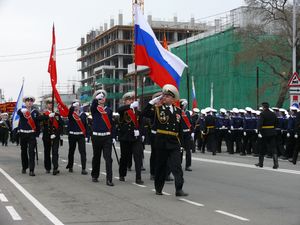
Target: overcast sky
(26,26)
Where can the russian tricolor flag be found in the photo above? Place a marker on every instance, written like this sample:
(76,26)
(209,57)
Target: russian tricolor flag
(165,67)
(195,104)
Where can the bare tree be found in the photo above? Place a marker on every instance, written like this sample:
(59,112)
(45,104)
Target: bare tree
(268,38)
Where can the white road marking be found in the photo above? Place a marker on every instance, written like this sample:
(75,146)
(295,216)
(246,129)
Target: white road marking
(103,173)
(232,215)
(34,201)
(13,213)
(3,198)
(191,202)
(117,178)
(79,165)
(90,169)
(164,193)
(64,160)
(139,185)
(250,166)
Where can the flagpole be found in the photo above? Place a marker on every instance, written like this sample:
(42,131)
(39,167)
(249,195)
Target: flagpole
(133,47)
(294,38)
(187,70)
(211,95)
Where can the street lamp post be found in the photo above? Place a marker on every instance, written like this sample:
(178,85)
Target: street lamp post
(257,87)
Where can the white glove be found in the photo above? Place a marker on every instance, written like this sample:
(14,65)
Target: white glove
(296,136)
(155,100)
(24,110)
(75,104)
(143,138)
(245,134)
(229,131)
(193,136)
(114,141)
(256,131)
(231,128)
(51,115)
(136,133)
(259,136)
(223,127)
(100,96)
(135,104)
(52,136)
(288,135)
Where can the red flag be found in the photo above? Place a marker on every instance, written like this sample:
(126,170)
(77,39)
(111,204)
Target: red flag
(52,61)
(165,43)
(62,108)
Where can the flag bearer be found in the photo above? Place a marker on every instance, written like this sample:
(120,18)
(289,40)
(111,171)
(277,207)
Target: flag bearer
(52,126)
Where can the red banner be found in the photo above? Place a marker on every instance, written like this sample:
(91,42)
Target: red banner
(7,107)
(62,108)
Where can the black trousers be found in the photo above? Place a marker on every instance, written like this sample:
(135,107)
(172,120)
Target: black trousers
(28,144)
(268,144)
(152,155)
(165,158)
(73,139)
(280,143)
(222,134)
(128,148)
(211,142)
(102,144)
(236,137)
(51,146)
(4,136)
(249,142)
(290,144)
(187,148)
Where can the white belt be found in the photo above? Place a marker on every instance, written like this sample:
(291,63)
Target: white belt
(26,131)
(101,134)
(75,133)
(186,130)
(153,131)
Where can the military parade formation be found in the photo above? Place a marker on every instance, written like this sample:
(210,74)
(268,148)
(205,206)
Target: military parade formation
(172,131)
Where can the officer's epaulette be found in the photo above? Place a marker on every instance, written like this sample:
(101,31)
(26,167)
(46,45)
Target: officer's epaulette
(177,107)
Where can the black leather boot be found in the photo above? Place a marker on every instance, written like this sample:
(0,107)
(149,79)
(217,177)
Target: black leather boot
(260,161)
(275,161)
(295,157)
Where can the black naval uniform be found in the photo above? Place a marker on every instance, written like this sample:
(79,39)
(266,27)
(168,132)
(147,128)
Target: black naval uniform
(186,138)
(28,136)
(130,144)
(5,128)
(151,114)
(210,132)
(76,135)
(52,129)
(168,126)
(297,132)
(102,137)
(266,127)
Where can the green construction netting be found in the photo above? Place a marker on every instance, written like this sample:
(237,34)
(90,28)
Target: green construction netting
(211,60)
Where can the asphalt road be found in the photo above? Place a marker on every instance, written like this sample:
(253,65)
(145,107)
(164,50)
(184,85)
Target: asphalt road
(223,189)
